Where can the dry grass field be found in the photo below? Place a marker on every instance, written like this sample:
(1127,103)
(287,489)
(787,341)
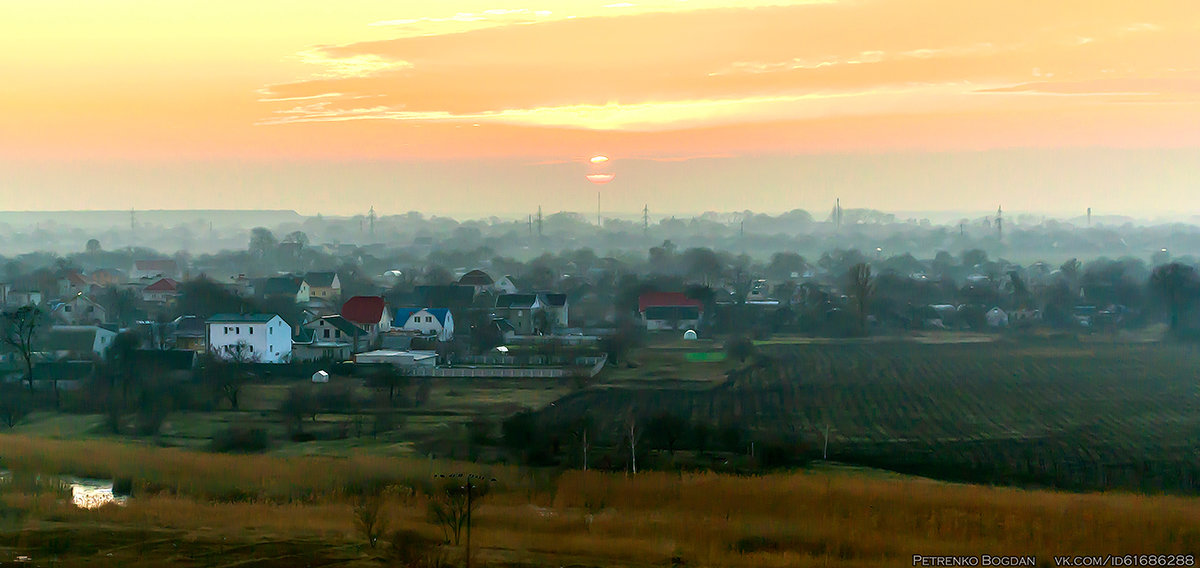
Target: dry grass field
(198,509)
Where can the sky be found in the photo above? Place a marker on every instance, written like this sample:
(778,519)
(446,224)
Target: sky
(476,108)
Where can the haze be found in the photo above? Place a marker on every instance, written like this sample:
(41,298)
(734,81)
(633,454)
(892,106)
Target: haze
(478,108)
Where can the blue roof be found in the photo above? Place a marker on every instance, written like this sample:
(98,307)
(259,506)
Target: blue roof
(403,314)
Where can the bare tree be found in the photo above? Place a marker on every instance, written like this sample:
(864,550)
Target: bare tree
(20,332)
(369,516)
(634,435)
(861,288)
(226,373)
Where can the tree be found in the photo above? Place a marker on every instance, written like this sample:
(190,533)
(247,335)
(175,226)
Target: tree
(740,348)
(226,373)
(1178,285)
(861,287)
(299,404)
(15,404)
(20,332)
(262,242)
(297,237)
(369,517)
(92,246)
(665,430)
(451,503)
(391,378)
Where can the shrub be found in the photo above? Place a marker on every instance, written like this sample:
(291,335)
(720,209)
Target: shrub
(241,439)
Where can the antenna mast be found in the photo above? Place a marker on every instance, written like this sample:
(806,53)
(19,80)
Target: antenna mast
(539,221)
(646,220)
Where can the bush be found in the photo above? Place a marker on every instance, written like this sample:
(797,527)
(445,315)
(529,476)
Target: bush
(412,549)
(241,439)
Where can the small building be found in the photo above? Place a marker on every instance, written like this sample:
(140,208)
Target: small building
(292,287)
(997,317)
(261,338)
(518,309)
(324,286)
(77,342)
(163,291)
(320,377)
(438,322)
(370,314)
(79,310)
(336,329)
(669,311)
(477,279)
(506,285)
(21,298)
(188,333)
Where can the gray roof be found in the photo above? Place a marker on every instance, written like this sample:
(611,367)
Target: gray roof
(516,300)
(282,286)
(241,318)
(320,279)
(70,338)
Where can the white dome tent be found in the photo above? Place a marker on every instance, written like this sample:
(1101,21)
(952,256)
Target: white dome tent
(689,335)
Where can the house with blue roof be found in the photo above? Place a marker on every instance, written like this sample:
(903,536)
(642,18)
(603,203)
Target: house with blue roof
(425,321)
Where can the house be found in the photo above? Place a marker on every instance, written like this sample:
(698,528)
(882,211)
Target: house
(262,338)
(324,286)
(505,285)
(163,291)
(107,277)
(309,346)
(531,314)
(77,342)
(519,310)
(477,279)
(450,296)
(438,322)
(73,283)
(163,268)
(20,298)
(292,287)
(669,311)
(79,310)
(241,286)
(187,332)
(556,307)
(337,329)
(370,314)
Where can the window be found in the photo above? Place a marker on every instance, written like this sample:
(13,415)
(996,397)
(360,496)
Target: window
(252,349)
(67,309)
(428,319)
(237,330)
(251,331)
(327,334)
(270,331)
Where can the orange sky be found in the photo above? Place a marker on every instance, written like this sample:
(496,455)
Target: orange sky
(187,83)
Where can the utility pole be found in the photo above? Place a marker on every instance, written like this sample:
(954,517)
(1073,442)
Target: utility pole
(646,220)
(371,219)
(999,223)
(539,221)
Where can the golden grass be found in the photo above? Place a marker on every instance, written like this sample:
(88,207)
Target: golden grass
(799,519)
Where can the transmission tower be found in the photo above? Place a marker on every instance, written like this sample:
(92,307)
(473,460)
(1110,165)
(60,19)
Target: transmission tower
(371,219)
(646,220)
(539,221)
(999,223)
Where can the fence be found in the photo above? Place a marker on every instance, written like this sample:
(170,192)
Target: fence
(518,373)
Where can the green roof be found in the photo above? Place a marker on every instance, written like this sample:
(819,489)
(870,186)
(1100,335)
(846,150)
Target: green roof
(241,318)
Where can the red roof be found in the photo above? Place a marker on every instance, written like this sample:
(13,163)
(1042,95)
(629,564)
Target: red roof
(163,285)
(667,299)
(364,309)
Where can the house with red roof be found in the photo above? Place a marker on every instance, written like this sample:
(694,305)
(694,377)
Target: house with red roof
(162,291)
(369,313)
(661,311)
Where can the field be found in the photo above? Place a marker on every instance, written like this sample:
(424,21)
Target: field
(196,509)
(1057,414)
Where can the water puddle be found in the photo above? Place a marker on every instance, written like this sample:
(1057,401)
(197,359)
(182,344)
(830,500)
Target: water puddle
(86,493)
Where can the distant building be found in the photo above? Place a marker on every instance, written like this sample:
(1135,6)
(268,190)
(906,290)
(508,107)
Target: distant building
(187,332)
(370,314)
(324,286)
(437,322)
(163,268)
(77,342)
(79,310)
(262,338)
(163,291)
(669,311)
(337,329)
(477,279)
(291,287)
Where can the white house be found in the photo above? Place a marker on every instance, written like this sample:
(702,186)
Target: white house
(79,310)
(262,338)
(505,285)
(426,321)
(77,341)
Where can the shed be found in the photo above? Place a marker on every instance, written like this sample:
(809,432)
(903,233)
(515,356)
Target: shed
(320,377)
(689,335)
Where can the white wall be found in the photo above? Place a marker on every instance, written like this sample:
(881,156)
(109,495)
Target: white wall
(269,342)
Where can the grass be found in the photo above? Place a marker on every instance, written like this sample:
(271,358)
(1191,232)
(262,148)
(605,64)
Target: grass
(827,518)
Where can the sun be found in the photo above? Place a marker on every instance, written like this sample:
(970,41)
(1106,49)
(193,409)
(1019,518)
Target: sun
(598,159)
